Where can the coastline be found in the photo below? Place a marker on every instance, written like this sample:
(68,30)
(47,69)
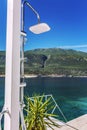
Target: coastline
(2,75)
(51,75)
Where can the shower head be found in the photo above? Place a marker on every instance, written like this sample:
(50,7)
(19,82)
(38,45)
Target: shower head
(39,28)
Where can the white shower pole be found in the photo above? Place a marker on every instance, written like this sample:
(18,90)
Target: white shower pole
(12,77)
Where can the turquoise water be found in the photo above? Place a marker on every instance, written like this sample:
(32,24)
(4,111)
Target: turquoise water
(2,84)
(69,93)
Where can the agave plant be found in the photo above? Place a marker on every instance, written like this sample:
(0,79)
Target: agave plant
(37,117)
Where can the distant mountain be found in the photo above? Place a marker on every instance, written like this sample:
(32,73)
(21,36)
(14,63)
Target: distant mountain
(53,61)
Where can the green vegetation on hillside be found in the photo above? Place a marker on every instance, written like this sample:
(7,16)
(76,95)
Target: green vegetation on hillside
(2,62)
(53,61)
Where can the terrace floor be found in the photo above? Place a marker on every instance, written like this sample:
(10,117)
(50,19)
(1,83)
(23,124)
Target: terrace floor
(79,123)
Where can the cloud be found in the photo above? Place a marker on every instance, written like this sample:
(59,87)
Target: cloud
(73,46)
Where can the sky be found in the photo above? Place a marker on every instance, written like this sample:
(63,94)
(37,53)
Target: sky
(67,19)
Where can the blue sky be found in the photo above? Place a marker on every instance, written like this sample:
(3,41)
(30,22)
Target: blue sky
(67,19)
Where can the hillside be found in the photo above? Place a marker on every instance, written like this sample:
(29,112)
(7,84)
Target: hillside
(53,61)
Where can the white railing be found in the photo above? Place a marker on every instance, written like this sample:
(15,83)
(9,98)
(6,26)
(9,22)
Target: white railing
(56,106)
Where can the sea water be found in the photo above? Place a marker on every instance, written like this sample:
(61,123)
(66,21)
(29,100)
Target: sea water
(69,93)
